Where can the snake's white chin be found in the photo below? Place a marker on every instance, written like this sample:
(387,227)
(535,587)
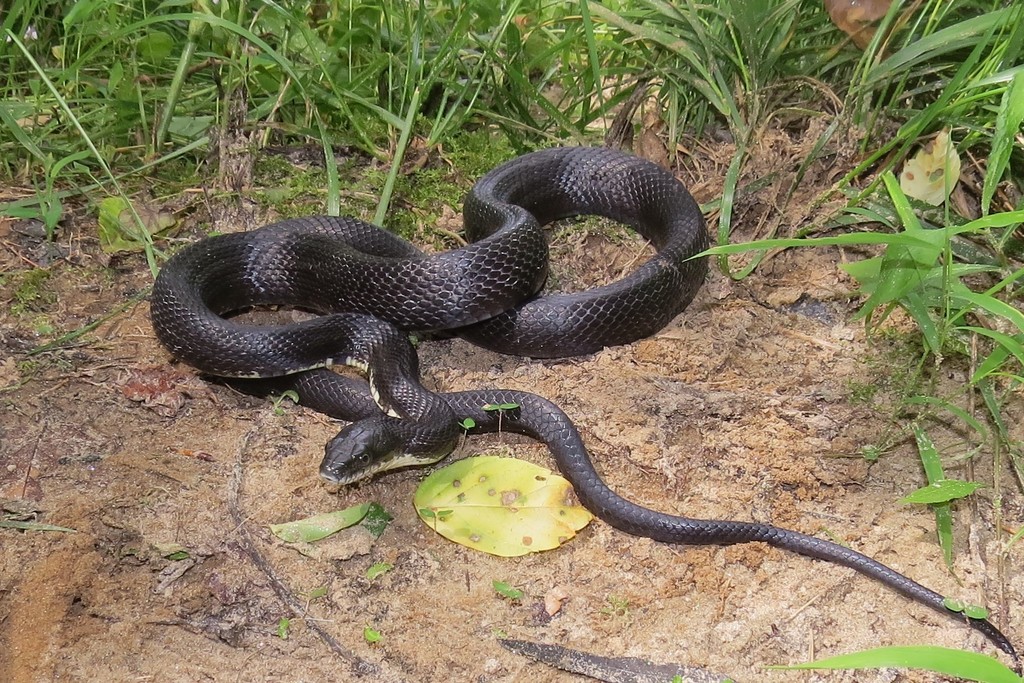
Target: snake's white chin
(393,463)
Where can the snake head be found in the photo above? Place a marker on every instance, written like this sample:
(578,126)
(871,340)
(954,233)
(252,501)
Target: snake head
(359,451)
(374,445)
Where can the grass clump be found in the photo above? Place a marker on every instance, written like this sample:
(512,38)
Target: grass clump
(30,293)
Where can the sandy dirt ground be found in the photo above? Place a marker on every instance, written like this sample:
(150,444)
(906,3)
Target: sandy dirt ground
(750,406)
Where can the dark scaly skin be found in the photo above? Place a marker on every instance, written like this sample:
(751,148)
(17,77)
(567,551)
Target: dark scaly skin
(331,264)
(614,185)
(349,270)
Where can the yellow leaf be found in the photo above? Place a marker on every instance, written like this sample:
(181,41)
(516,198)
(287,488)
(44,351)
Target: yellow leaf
(501,506)
(933,172)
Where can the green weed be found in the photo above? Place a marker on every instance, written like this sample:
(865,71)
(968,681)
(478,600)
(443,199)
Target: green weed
(616,606)
(962,311)
(31,294)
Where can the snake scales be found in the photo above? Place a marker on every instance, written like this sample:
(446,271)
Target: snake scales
(371,288)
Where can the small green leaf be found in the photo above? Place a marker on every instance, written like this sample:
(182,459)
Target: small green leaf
(114,79)
(282,628)
(942,491)
(316,593)
(319,526)
(52,210)
(976,612)
(278,401)
(440,515)
(287,394)
(112,237)
(617,606)
(372,635)
(507,590)
(171,551)
(498,407)
(972,611)
(156,46)
(376,520)
(119,224)
(378,569)
(953,604)
(468,423)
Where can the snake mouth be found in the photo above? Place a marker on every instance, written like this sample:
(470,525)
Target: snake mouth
(346,475)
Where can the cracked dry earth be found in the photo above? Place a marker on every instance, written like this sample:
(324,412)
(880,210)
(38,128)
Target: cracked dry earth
(744,407)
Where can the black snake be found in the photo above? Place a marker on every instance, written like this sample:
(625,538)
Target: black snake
(371,288)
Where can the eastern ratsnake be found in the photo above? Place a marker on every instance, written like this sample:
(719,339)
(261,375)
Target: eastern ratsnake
(371,288)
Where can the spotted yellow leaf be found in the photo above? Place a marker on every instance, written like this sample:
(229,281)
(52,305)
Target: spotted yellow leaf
(932,173)
(501,506)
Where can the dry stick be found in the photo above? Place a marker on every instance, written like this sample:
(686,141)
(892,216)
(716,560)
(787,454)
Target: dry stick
(32,459)
(360,667)
(17,252)
(620,132)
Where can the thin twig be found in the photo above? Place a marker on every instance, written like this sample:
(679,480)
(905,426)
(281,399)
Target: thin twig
(35,451)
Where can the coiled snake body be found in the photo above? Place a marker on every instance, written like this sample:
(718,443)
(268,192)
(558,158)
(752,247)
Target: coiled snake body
(371,288)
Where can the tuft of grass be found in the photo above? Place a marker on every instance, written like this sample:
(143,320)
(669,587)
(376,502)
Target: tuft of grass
(918,273)
(94,97)
(30,293)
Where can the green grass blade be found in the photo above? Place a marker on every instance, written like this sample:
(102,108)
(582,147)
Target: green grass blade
(848,239)
(595,62)
(995,410)
(990,365)
(177,82)
(975,424)
(405,132)
(333,207)
(1005,282)
(932,464)
(1007,128)
(21,136)
(1007,346)
(970,666)
(902,205)
(62,103)
(920,309)
(993,306)
(959,36)
(732,179)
